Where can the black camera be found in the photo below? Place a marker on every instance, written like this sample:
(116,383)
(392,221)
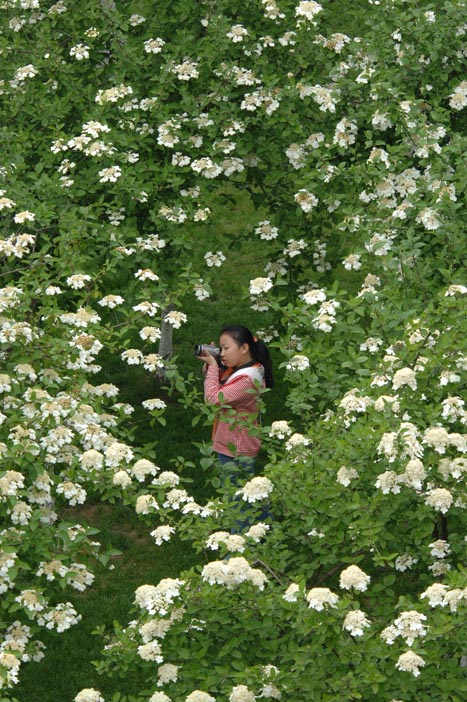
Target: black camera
(204,350)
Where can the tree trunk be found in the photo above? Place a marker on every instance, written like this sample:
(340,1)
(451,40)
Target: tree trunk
(165,343)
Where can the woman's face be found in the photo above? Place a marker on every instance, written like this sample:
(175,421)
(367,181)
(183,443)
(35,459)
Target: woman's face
(232,354)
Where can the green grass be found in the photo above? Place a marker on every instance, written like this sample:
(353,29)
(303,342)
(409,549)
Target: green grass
(67,666)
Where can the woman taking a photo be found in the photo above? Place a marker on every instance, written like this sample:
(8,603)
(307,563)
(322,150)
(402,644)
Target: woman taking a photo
(234,388)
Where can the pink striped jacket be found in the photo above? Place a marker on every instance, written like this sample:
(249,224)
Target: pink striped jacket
(238,409)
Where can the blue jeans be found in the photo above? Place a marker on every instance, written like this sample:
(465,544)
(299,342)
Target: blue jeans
(238,470)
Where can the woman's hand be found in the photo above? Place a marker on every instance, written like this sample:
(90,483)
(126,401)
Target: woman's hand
(208,359)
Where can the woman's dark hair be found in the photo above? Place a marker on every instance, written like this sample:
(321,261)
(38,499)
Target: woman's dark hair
(258,349)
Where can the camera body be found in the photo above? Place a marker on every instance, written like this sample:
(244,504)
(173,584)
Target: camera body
(205,349)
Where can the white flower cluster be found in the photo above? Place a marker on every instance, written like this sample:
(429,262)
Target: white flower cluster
(80,52)
(233,573)
(355,621)
(326,317)
(353,577)
(408,626)
(186,70)
(259,286)
(214,259)
(237,33)
(346,475)
(410,662)
(306,200)
(345,134)
(402,443)
(59,618)
(154,46)
(351,404)
(113,94)
(458,98)
(157,599)
(232,542)
(405,562)
(280,429)
(256,489)
(319,598)
(89,694)
(175,319)
(266,231)
(308,9)
(162,533)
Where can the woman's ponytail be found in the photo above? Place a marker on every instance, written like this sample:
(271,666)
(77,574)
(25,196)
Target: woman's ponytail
(262,355)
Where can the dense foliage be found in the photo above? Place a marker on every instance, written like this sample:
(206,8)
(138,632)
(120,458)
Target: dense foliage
(122,123)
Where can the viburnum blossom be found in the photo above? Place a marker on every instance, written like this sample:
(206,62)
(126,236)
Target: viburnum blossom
(111,301)
(80,52)
(388,482)
(292,593)
(355,621)
(133,357)
(308,9)
(280,429)
(145,504)
(233,542)
(240,693)
(257,531)
(154,46)
(175,318)
(260,285)
(142,468)
(409,626)
(121,479)
(237,33)
(320,597)
(404,376)
(306,200)
(256,489)
(456,290)
(346,475)
(110,175)
(232,573)
(352,262)
(167,673)
(414,474)
(410,662)
(298,362)
(89,694)
(297,441)
(186,70)
(154,404)
(354,577)
(199,696)
(312,297)
(77,281)
(440,499)
(151,651)
(437,438)
(162,533)
(214,259)
(458,98)
(24,216)
(266,231)
(404,562)
(440,548)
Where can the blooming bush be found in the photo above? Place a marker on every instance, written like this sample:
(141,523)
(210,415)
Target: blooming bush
(352,148)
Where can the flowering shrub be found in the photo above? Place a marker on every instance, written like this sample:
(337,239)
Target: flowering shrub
(352,148)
